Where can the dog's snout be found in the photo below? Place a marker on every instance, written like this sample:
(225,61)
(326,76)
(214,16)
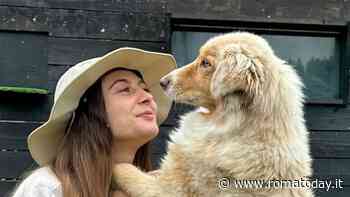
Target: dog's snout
(164,82)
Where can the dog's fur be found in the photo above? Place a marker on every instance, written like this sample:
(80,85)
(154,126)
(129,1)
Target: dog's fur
(253,128)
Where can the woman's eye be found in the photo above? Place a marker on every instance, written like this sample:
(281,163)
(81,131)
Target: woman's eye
(124,90)
(205,63)
(147,90)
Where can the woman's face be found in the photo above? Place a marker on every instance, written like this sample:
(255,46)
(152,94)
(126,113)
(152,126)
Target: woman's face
(131,109)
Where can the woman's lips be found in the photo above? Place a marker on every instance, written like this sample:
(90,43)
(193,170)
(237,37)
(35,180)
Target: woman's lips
(146,115)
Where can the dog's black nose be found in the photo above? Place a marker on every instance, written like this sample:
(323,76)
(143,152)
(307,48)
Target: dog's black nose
(164,82)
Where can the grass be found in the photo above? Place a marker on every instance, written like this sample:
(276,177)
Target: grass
(23,90)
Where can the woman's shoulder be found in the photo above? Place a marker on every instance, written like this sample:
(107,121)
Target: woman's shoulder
(43,176)
(41,183)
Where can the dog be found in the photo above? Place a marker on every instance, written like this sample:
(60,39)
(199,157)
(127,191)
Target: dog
(249,126)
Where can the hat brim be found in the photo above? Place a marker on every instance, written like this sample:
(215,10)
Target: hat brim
(44,140)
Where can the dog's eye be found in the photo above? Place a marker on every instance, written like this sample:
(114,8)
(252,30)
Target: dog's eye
(205,63)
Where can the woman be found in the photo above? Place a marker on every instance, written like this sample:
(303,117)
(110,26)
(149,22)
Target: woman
(106,110)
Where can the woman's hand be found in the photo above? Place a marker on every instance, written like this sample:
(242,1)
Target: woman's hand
(119,193)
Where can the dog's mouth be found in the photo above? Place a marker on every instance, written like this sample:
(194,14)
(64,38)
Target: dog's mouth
(181,97)
(190,94)
(205,103)
(204,110)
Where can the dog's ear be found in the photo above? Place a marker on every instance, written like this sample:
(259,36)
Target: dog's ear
(237,72)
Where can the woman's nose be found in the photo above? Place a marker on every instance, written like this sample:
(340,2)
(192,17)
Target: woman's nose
(147,97)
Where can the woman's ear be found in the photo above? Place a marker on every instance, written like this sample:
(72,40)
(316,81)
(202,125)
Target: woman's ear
(237,72)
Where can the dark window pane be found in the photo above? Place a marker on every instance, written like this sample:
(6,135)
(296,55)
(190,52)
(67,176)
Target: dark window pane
(315,58)
(23,59)
(185,45)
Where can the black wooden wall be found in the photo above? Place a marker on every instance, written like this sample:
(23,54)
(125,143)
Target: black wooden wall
(76,30)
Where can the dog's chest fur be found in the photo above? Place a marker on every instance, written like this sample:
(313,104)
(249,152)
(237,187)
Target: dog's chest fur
(206,152)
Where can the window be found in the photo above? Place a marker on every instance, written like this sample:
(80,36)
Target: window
(23,61)
(317,56)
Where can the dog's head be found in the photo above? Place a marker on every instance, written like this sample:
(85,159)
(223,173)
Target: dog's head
(234,64)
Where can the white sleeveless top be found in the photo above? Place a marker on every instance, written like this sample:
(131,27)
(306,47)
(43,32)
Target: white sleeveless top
(41,183)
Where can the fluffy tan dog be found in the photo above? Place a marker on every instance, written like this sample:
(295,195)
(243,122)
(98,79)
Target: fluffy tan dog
(252,129)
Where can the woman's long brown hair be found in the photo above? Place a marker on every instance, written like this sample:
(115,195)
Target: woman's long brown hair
(83,164)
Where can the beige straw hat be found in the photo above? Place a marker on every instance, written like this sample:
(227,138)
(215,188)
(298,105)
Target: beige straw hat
(44,140)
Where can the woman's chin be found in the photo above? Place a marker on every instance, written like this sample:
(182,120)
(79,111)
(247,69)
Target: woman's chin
(148,129)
